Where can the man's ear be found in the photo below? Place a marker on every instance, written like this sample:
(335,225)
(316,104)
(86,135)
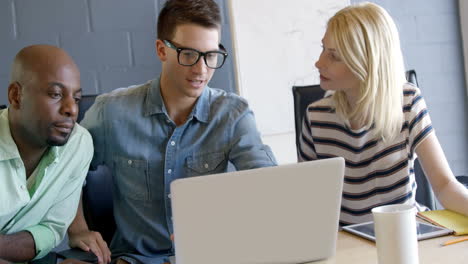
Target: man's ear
(161,50)
(14,95)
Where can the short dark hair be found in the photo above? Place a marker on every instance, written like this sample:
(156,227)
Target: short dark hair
(177,12)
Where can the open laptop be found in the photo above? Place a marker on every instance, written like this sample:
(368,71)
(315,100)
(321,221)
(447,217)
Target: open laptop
(284,214)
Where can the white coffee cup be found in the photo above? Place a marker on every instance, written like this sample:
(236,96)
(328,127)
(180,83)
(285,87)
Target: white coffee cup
(396,234)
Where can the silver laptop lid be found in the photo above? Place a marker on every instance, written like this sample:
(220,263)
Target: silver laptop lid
(284,214)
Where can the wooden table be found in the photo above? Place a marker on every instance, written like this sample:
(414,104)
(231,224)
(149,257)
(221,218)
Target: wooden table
(352,249)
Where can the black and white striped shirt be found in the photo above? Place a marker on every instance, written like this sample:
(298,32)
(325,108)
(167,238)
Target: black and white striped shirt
(376,173)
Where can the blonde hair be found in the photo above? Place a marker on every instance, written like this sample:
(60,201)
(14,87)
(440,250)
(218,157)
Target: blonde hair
(367,40)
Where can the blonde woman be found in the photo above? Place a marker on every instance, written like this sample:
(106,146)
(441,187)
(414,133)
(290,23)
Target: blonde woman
(373,118)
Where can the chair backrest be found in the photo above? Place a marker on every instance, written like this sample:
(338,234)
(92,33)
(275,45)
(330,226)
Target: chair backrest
(304,95)
(411,77)
(97,194)
(424,193)
(97,202)
(463,179)
(85,103)
(3,106)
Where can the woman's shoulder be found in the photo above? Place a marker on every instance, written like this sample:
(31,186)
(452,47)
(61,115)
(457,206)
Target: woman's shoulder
(413,101)
(411,94)
(411,90)
(326,101)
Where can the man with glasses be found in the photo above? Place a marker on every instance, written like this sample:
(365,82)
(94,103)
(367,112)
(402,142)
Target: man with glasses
(169,128)
(188,57)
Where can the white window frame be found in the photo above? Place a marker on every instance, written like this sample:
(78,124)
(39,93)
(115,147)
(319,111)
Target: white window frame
(463,4)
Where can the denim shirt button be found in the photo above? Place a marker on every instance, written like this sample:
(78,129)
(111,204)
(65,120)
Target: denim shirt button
(172,143)
(206,165)
(169,171)
(129,162)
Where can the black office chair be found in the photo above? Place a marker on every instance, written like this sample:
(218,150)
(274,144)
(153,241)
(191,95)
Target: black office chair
(303,96)
(3,106)
(97,193)
(85,103)
(97,202)
(463,179)
(411,77)
(424,193)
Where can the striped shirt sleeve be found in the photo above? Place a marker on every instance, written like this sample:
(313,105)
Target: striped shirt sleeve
(417,117)
(306,150)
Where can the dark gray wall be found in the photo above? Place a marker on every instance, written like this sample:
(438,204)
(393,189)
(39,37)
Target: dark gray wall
(112,41)
(431,43)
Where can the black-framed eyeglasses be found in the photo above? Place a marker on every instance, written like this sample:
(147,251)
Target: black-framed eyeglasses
(188,57)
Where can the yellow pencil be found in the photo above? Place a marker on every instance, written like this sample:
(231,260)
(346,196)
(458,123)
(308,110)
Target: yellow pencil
(453,241)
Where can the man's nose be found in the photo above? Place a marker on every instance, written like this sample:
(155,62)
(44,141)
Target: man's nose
(69,107)
(200,67)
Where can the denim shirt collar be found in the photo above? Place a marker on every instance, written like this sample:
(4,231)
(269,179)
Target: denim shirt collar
(154,103)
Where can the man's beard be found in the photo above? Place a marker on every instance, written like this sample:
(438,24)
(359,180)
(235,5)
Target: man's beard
(54,142)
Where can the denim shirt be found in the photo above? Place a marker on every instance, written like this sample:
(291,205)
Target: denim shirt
(145,151)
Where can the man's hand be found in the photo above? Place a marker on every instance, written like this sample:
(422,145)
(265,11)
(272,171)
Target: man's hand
(91,241)
(17,247)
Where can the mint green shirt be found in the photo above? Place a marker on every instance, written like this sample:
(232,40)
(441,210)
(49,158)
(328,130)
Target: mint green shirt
(48,206)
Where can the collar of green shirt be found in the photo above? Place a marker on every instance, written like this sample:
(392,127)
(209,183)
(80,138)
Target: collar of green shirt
(9,151)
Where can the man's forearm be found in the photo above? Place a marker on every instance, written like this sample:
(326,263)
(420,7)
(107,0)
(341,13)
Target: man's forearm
(17,247)
(79,223)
